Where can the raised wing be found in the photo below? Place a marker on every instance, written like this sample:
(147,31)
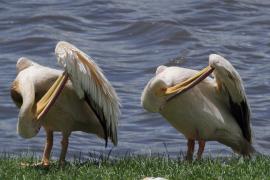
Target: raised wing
(90,83)
(229,83)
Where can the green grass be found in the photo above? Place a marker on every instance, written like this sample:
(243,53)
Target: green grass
(138,167)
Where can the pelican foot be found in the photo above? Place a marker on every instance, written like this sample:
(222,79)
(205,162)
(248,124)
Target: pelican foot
(42,164)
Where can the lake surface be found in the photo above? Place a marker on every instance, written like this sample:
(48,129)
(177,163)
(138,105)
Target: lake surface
(129,39)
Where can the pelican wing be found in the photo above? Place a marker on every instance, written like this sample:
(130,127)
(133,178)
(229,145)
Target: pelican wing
(90,83)
(229,83)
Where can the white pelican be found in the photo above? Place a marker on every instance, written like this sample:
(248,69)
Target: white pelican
(203,108)
(87,102)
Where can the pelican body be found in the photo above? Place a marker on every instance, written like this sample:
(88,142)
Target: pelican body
(202,108)
(78,99)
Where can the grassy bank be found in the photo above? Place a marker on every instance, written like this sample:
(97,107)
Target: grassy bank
(138,167)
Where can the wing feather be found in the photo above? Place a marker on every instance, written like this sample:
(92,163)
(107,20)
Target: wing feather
(91,84)
(230,84)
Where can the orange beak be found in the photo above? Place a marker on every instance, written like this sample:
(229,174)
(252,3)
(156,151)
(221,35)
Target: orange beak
(44,104)
(187,84)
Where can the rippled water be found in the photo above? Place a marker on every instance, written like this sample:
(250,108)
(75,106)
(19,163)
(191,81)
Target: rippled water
(129,39)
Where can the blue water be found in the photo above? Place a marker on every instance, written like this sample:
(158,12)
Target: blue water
(129,39)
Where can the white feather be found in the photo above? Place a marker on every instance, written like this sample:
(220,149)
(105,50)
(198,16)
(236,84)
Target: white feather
(87,78)
(226,74)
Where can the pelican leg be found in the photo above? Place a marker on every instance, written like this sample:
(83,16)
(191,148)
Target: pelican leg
(190,150)
(64,144)
(45,162)
(201,149)
(48,148)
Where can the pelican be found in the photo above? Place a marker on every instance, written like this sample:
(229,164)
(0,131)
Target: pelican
(78,99)
(203,108)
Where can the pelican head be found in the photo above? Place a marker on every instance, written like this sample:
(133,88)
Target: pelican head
(22,93)
(23,63)
(149,99)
